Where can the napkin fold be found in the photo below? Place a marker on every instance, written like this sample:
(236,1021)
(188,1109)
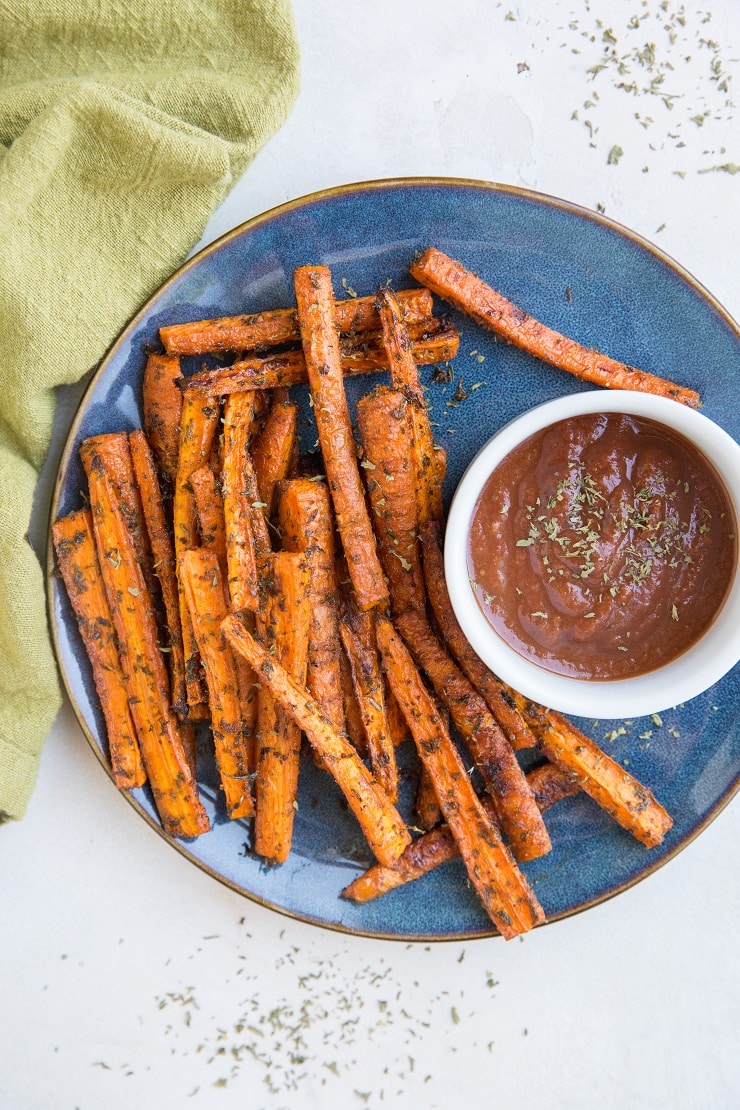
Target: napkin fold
(122,126)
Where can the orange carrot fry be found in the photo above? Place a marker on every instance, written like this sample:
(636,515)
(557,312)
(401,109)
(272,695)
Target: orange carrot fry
(305,523)
(199,425)
(274,450)
(494,691)
(354,728)
(427,813)
(283,622)
(397,726)
(436,341)
(320,340)
(386,434)
(210,512)
(165,760)
(378,818)
(241,548)
(358,636)
(516,809)
(437,484)
(206,599)
(619,794)
(450,280)
(162,411)
(163,553)
(551,784)
(77,558)
(270,329)
(503,890)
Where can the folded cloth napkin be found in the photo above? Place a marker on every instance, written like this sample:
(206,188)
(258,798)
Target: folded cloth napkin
(122,126)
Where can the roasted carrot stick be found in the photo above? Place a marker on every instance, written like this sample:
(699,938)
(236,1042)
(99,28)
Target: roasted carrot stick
(77,559)
(167,767)
(386,434)
(397,726)
(503,890)
(269,329)
(516,809)
(198,428)
(241,547)
(405,378)
(210,513)
(354,728)
(427,813)
(305,523)
(315,307)
(461,288)
(206,599)
(619,794)
(274,449)
(437,846)
(283,622)
(436,341)
(494,691)
(163,554)
(358,636)
(551,784)
(437,484)
(162,411)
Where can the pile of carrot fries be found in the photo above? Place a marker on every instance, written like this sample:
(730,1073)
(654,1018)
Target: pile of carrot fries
(217,577)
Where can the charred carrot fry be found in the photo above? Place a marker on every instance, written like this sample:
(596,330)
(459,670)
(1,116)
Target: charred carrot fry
(315,307)
(274,450)
(436,341)
(386,434)
(358,636)
(283,621)
(551,784)
(241,548)
(77,559)
(427,813)
(494,691)
(206,600)
(270,329)
(437,484)
(210,513)
(620,795)
(516,809)
(162,411)
(378,818)
(163,554)
(503,890)
(198,427)
(461,288)
(305,523)
(165,760)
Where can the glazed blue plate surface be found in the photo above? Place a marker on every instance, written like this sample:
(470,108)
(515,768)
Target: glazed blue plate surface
(582,275)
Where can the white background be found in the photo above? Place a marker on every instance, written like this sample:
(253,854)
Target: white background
(128,977)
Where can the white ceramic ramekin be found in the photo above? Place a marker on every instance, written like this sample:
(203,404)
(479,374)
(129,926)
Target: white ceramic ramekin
(698,668)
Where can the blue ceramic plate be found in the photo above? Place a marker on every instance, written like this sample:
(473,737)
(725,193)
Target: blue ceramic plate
(581,274)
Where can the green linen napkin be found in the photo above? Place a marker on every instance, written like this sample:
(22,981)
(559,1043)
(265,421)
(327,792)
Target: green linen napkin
(122,126)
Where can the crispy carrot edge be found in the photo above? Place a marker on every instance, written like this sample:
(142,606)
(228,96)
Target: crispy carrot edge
(378,818)
(162,410)
(461,288)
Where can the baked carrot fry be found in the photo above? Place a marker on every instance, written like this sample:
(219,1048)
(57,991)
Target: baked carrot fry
(494,691)
(210,513)
(320,340)
(427,813)
(269,329)
(397,726)
(551,784)
(619,794)
(199,425)
(516,809)
(386,435)
(358,636)
(438,481)
(206,600)
(437,846)
(162,411)
(170,776)
(283,622)
(354,728)
(77,558)
(438,341)
(405,378)
(503,890)
(461,288)
(241,548)
(378,818)
(163,554)
(305,523)
(274,450)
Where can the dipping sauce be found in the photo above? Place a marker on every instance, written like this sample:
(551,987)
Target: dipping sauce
(603,546)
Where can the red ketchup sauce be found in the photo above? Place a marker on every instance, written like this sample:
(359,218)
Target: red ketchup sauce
(603,546)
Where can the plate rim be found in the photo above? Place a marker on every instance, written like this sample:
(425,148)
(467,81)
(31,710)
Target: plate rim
(51,579)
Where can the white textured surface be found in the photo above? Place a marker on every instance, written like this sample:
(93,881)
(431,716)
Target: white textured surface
(633,1004)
